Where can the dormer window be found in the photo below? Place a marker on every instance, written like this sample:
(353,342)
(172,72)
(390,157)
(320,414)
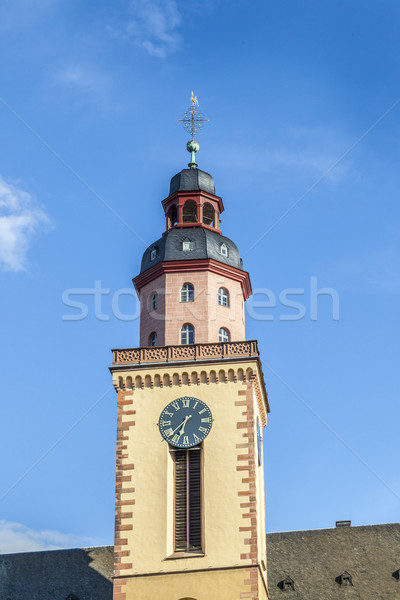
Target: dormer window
(287,584)
(187,245)
(153,253)
(224,249)
(345,579)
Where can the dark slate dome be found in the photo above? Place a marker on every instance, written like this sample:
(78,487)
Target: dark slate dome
(189,180)
(205,244)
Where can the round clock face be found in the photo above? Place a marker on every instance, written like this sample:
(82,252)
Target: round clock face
(185,422)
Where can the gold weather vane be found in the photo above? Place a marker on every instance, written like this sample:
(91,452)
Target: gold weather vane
(192,121)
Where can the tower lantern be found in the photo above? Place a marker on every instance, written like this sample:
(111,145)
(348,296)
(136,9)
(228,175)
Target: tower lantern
(192,404)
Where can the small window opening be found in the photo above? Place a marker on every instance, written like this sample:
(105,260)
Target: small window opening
(187,334)
(223,335)
(187,293)
(153,254)
(287,584)
(223,297)
(153,339)
(154,301)
(345,579)
(208,214)
(173,216)
(187,245)
(189,214)
(224,250)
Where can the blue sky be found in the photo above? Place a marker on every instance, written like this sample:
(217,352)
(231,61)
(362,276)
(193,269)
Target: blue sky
(301,98)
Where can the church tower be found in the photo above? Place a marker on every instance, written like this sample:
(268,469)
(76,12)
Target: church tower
(189,512)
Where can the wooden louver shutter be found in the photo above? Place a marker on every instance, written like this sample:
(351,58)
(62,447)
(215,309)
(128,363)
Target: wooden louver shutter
(187,500)
(194,503)
(180,501)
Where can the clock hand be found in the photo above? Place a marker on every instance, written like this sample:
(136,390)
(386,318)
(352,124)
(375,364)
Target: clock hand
(180,425)
(183,425)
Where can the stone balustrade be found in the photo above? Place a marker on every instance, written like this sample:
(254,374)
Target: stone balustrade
(182,353)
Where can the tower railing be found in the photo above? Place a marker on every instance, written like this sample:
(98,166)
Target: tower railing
(191,352)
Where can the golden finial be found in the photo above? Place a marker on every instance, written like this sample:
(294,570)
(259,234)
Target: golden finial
(193,120)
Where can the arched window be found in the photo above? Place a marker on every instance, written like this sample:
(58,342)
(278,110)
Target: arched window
(173,216)
(223,297)
(189,212)
(153,301)
(224,249)
(187,293)
(223,335)
(153,339)
(208,214)
(187,334)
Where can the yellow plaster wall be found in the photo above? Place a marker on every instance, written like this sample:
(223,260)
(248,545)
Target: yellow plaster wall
(261,526)
(211,585)
(150,541)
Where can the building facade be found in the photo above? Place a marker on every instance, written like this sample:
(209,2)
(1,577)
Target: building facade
(192,405)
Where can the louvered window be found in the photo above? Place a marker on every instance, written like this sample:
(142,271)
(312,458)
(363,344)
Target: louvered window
(188,500)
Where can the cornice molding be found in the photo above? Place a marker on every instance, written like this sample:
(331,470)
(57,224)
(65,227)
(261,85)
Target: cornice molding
(204,264)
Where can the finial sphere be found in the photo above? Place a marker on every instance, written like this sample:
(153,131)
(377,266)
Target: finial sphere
(192,146)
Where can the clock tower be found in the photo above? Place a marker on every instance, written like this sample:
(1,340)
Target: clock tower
(189,510)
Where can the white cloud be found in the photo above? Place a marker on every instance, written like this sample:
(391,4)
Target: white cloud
(15,537)
(151,24)
(85,78)
(20,218)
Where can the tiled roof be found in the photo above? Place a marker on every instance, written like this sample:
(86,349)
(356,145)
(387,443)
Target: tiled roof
(346,563)
(82,574)
(315,560)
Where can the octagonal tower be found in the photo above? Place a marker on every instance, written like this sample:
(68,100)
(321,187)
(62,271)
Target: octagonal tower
(192,286)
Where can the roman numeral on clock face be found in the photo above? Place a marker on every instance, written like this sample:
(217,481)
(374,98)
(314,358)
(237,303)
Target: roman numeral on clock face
(203,429)
(185,402)
(196,439)
(175,405)
(185,440)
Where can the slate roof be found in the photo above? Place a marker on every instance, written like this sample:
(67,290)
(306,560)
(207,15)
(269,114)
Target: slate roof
(82,574)
(206,244)
(189,180)
(316,559)
(310,561)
